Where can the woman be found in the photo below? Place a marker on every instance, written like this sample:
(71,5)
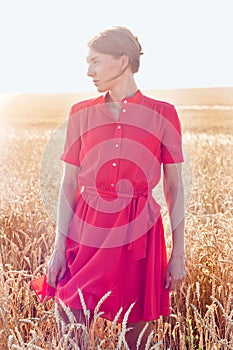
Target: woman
(110,233)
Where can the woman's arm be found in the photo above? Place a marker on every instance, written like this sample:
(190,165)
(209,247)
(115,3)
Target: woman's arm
(67,197)
(174,195)
(66,202)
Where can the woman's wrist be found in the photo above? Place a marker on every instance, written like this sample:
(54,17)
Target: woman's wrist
(178,253)
(60,243)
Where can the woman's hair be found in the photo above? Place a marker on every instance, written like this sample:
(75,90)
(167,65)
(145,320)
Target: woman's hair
(118,41)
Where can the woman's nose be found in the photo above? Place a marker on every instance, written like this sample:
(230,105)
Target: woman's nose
(90,71)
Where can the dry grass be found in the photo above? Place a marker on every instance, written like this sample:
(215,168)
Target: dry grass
(201,311)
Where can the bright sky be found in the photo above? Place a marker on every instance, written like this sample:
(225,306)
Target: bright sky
(185,43)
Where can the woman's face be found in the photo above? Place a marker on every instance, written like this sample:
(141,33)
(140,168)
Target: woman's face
(104,70)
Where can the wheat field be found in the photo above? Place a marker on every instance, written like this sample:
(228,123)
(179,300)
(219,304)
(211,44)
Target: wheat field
(201,310)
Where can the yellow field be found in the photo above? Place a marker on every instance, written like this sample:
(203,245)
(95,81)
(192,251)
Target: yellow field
(201,312)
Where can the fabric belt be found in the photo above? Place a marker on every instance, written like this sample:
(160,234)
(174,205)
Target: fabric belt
(114,194)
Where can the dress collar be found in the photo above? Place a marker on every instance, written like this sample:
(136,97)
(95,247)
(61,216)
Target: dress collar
(131,99)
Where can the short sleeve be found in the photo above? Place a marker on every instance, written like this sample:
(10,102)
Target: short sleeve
(171,143)
(72,144)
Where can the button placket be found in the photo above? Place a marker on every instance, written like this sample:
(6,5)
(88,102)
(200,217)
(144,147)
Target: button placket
(118,135)
(124,107)
(115,162)
(113,174)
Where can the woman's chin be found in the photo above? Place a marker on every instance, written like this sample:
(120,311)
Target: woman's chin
(101,88)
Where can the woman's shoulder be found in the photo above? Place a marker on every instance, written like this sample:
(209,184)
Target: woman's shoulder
(157,104)
(165,109)
(81,105)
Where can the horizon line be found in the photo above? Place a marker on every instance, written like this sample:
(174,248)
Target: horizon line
(93,91)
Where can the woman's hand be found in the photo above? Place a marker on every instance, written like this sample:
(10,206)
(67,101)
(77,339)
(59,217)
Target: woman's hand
(175,273)
(56,267)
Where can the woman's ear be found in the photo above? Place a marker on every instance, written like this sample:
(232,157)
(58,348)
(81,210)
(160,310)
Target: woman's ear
(124,61)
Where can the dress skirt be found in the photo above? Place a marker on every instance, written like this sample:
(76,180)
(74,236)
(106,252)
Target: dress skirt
(134,272)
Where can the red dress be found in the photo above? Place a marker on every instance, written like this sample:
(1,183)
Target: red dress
(116,239)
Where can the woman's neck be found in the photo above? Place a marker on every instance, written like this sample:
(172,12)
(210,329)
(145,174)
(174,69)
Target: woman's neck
(121,91)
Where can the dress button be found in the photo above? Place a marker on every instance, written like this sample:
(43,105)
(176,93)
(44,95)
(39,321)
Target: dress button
(112,185)
(117,145)
(114,164)
(118,126)
(125,101)
(124,110)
